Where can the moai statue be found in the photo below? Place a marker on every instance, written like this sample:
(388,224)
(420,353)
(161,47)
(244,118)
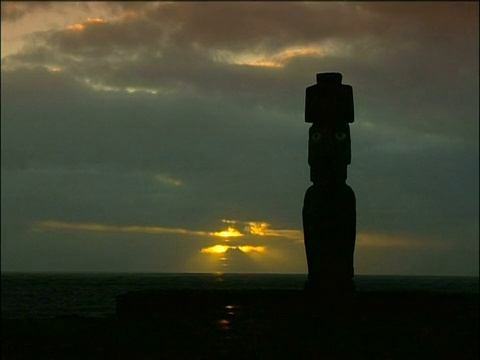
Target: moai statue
(329,216)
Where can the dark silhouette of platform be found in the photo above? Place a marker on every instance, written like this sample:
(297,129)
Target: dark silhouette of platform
(299,324)
(286,303)
(258,324)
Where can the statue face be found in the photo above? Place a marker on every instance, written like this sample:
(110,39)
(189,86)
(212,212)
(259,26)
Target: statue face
(329,152)
(329,143)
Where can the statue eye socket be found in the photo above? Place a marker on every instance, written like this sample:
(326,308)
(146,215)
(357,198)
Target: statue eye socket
(316,137)
(340,136)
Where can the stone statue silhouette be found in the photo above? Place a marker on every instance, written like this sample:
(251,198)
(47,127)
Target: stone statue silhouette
(329,215)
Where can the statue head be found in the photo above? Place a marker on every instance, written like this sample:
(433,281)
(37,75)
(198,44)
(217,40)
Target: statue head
(329,107)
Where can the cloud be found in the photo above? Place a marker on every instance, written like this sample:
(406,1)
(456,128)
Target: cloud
(221,249)
(263,229)
(168,48)
(254,229)
(15,10)
(152,230)
(146,113)
(378,240)
(168,180)
(231,232)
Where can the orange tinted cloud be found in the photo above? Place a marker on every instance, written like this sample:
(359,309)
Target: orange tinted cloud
(263,229)
(81,26)
(15,10)
(275,60)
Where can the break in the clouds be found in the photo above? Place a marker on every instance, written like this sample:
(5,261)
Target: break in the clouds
(175,115)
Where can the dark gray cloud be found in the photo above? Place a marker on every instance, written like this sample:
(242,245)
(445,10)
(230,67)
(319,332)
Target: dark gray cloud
(146,123)
(15,10)
(426,67)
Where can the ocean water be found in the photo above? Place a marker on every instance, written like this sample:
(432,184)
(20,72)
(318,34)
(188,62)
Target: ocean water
(46,295)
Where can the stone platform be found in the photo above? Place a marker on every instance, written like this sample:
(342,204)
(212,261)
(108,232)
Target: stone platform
(257,324)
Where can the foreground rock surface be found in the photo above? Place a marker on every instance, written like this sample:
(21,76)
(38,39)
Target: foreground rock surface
(257,324)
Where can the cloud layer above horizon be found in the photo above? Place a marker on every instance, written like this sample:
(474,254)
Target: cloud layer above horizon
(159,115)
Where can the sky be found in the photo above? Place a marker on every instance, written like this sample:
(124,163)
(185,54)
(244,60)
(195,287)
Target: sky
(170,136)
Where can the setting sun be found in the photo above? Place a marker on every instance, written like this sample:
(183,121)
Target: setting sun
(230,232)
(217,249)
(220,249)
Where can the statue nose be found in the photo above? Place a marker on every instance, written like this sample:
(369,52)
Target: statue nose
(327,147)
(329,144)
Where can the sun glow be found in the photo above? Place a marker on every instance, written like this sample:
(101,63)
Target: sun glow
(257,228)
(216,249)
(230,232)
(248,249)
(221,249)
